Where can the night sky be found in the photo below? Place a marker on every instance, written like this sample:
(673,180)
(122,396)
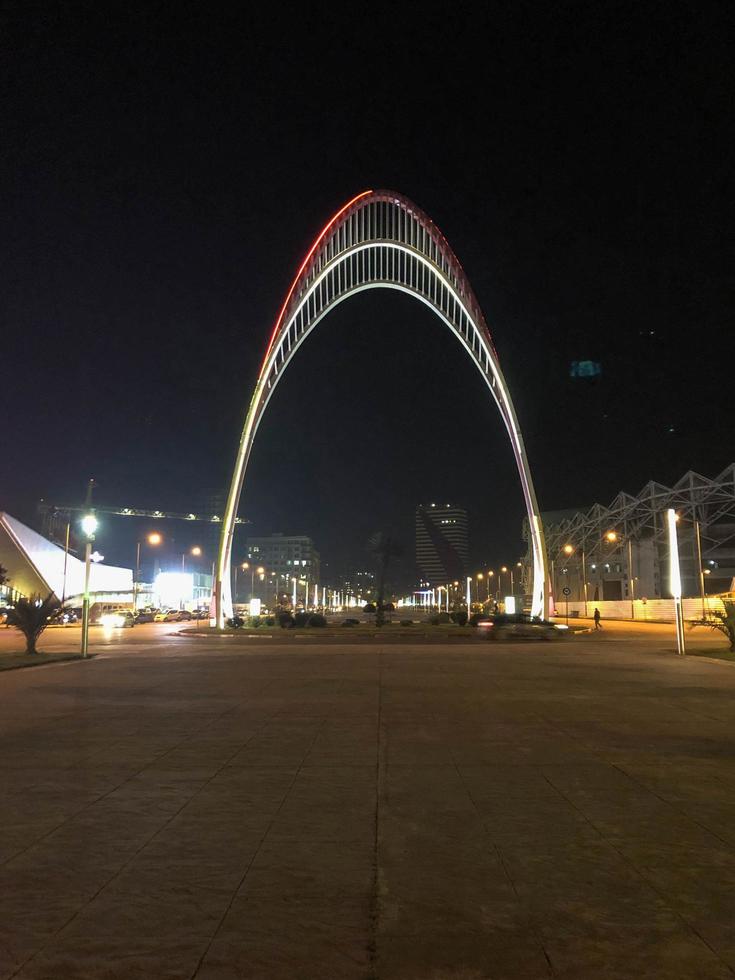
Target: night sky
(164,168)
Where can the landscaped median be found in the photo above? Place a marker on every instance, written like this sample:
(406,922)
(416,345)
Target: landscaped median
(15,661)
(416,632)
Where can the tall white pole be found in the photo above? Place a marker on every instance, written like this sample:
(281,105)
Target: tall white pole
(85,601)
(675,579)
(293,598)
(469,595)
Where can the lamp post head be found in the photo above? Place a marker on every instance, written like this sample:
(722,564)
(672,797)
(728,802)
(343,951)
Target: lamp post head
(89,525)
(154,538)
(196,551)
(503,569)
(611,536)
(568,549)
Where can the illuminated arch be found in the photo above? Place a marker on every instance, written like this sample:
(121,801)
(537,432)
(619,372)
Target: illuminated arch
(378,239)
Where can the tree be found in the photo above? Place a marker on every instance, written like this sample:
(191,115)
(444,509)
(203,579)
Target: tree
(3,575)
(31,616)
(383,546)
(727,621)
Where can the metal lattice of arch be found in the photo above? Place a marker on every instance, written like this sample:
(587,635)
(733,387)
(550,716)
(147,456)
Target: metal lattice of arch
(379,239)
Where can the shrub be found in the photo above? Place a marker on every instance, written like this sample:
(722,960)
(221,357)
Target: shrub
(301,619)
(285,620)
(270,621)
(369,608)
(255,622)
(317,620)
(433,620)
(235,622)
(387,607)
(351,622)
(443,617)
(406,622)
(475,618)
(726,623)
(31,616)
(460,617)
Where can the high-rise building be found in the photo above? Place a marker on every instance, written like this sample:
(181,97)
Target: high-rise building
(287,555)
(441,543)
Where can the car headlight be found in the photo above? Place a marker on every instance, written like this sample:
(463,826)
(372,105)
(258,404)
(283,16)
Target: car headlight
(112,619)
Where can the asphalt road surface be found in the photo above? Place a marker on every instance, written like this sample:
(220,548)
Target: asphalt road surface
(181,807)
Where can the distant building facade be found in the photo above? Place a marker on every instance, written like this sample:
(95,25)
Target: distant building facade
(441,543)
(290,556)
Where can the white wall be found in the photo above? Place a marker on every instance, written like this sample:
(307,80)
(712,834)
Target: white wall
(656,610)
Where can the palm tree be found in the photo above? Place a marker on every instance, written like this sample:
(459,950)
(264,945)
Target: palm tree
(31,616)
(727,621)
(383,547)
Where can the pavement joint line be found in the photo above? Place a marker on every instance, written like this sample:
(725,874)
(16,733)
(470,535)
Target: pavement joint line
(634,779)
(640,873)
(380,769)
(86,806)
(240,883)
(133,856)
(527,915)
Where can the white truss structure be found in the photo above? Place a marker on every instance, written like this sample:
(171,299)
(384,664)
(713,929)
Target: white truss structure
(379,239)
(696,499)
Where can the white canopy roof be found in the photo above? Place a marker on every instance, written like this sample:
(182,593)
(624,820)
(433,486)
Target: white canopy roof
(35,564)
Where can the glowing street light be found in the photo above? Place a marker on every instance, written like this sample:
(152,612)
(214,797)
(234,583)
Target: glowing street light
(89,526)
(153,539)
(569,549)
(675,579)
(196,551)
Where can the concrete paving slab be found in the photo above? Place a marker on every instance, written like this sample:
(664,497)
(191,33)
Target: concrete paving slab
(368,811)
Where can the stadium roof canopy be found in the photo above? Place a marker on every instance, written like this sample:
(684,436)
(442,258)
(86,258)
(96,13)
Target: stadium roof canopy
(36,565)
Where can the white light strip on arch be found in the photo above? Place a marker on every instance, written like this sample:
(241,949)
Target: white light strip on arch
(306,292)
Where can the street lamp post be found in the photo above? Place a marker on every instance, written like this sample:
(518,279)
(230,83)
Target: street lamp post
(89,526)
(569,550)
(675,580)
(153,539)
(698,539)
(469,596)
(195,551)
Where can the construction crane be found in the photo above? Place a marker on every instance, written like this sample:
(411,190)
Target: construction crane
(62,509)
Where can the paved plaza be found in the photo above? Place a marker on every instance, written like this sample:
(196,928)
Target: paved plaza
(220,809)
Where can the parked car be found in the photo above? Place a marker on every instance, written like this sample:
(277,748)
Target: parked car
(519,626)
(145,615)
(119,618)
(161,616)
(177,615)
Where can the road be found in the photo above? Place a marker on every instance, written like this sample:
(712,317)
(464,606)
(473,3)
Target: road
(226,808)
(165,639)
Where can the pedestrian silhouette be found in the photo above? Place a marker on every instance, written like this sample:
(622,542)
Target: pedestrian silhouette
(597,618)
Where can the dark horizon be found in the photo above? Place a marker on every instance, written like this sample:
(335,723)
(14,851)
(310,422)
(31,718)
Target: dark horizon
(165,176)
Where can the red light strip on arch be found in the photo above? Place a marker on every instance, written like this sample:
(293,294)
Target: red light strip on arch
(314,247)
